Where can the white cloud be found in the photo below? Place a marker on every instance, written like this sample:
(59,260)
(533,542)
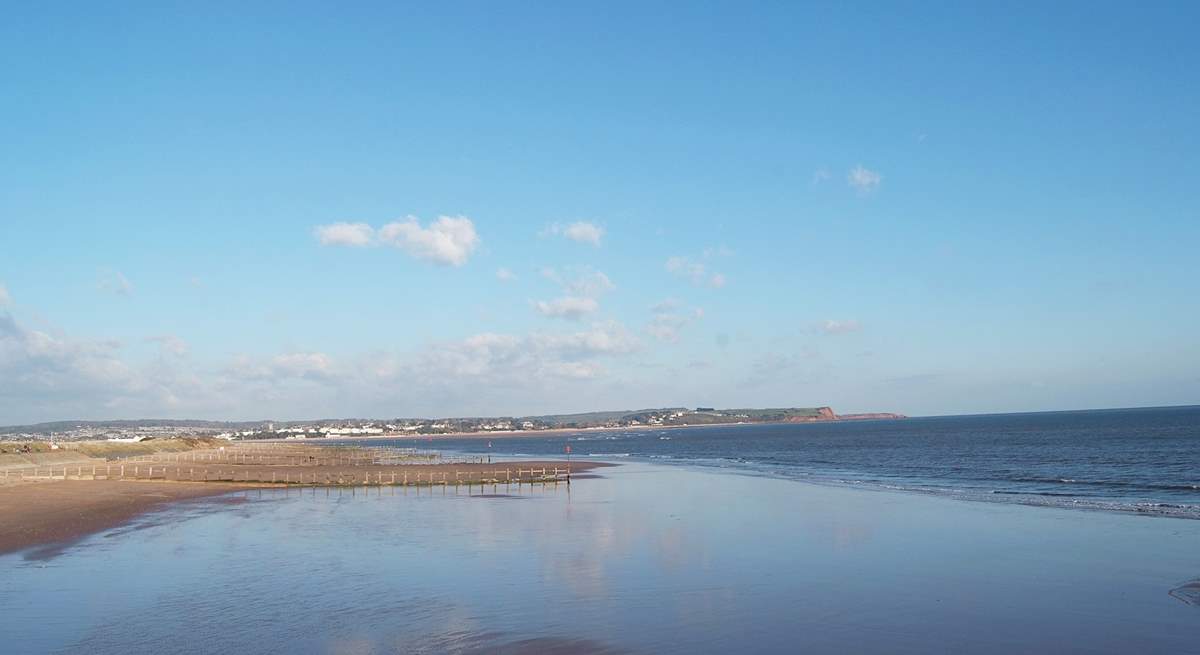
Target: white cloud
(114,282)
(579,231)
(665,327)
(505,275)
(610,338)
(53,377)
(448,240)
(696,271)
(838,327)
(590,283)
(579,280)
(493,363)
(568,307)
(669,318)
(169,344)
(584,232)
(345,234)
(302,364)
(820,175)
(583,287)
(863,179)
(575,370)
(42,369)
(666,306)
(5,298)
(314,366)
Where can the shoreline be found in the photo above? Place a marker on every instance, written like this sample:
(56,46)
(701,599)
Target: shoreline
(44,514)
(515,434)
(642,533)
(496,434)
(40,515)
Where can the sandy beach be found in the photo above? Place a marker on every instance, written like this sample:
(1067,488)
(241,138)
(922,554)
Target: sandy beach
(82,498)
(43,513)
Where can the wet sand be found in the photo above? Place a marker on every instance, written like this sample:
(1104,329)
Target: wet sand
(46,512)
(645,559)
(50,512)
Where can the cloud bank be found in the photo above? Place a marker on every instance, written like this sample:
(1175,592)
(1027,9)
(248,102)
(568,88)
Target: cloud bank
(51,376)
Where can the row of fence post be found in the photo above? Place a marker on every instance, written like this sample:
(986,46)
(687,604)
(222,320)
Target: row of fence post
(135,471)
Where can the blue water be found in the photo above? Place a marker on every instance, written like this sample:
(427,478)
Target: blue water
(1130,460)
(644,558)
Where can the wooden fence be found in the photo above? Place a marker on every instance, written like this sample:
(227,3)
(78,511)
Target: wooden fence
(405,476)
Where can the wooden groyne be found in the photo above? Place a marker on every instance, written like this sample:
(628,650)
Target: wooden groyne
(400,475)
(284,464)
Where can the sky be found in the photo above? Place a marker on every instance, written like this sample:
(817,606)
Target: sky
(305,210)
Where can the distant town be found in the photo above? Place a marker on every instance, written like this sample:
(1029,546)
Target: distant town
(140,430)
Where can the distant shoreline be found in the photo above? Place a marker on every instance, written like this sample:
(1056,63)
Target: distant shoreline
(498,434)
(513,434)
(643,418)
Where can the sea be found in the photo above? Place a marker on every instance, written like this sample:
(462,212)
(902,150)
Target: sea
(1144,460)
(702,540)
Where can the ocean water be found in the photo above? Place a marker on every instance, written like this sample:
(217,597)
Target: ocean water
(646,558)
(1128,460)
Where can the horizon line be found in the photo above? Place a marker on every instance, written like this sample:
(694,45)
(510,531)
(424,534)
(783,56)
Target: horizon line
(481,416)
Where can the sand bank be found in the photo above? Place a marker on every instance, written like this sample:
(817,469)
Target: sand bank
(52,511)
(61,511)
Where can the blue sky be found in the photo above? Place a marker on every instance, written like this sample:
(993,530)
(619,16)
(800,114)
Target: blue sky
(898,207)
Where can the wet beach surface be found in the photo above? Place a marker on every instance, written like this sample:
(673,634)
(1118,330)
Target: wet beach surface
(641,558)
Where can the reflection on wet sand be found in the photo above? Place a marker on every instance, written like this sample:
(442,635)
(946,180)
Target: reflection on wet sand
(641,559)
(1188,592)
